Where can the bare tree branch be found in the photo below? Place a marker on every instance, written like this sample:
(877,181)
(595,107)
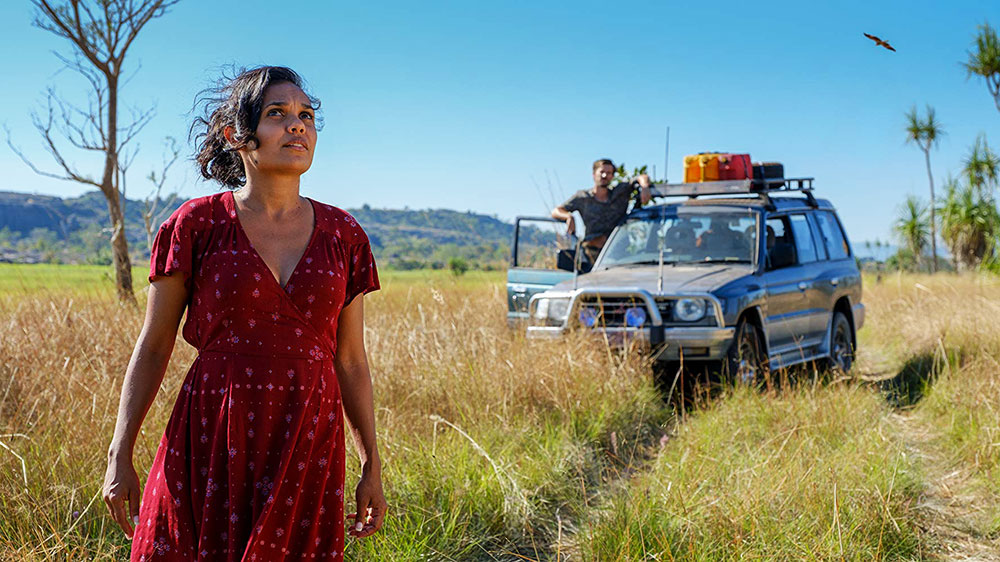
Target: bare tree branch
(45,129)
(125,159)
(152,200)
(101,31)
(138,18)
(140,118)
(77,126)
(60,21)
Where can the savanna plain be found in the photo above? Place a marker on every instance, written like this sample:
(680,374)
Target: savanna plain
(499,448)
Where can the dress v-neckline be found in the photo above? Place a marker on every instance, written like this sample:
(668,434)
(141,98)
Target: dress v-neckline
(253,249)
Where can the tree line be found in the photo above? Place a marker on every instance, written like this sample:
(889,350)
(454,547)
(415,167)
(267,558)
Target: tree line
(966,218)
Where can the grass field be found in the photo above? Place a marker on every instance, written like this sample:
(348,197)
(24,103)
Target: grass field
(499,448)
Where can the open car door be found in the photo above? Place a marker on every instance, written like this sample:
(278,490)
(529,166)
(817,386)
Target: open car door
(542,255)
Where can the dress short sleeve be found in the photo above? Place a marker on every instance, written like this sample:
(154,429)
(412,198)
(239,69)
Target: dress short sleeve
(173,247)
(363,276)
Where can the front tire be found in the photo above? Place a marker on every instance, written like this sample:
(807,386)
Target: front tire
(841,343)
(745,362)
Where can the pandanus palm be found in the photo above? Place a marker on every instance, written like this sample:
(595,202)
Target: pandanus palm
(982,168)
(984,60)
(925,133)
(912,227)
(969,223)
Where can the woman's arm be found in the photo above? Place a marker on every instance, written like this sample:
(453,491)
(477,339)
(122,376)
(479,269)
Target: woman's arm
(356,389)
(167,298)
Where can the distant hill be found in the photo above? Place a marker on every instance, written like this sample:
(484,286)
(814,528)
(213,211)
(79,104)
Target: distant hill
(47,228)
(22,212)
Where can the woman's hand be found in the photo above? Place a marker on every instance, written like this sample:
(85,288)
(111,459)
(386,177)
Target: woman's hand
(121,486)
(371,505)
(166,303)
(351,363)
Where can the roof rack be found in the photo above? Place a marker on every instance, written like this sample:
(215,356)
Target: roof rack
(762,188)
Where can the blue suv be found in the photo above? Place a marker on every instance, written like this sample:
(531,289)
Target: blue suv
(753,277)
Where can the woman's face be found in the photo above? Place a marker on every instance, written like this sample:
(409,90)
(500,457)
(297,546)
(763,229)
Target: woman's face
(286,133)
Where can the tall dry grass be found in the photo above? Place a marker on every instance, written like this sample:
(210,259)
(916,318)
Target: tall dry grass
(491,443)
(812,473)
(941,335)
(499,448)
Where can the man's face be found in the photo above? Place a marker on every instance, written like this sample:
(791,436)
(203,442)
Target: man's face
(604,175)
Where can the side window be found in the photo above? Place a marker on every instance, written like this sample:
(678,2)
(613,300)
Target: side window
(779,246)
(833,236)
(804,245)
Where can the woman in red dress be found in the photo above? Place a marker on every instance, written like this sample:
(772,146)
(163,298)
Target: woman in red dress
(251,464)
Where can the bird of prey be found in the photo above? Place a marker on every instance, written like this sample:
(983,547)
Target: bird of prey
(880,42)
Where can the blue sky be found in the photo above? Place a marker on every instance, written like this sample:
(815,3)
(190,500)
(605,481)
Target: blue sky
(473,105)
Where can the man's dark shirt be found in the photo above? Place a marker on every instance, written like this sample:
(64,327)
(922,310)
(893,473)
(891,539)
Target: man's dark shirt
(600,218)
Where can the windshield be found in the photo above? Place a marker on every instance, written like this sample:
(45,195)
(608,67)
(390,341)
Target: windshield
(683,237)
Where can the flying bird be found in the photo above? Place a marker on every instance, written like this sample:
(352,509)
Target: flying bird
(880,42)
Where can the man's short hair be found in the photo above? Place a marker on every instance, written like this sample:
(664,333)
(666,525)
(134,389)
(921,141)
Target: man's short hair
(601,162)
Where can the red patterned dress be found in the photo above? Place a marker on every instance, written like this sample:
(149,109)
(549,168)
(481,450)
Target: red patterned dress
(251,465)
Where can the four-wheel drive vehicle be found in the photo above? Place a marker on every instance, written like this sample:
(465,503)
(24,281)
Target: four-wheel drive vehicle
(757,277)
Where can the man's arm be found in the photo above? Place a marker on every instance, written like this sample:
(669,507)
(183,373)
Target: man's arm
(561,214)
(644,193)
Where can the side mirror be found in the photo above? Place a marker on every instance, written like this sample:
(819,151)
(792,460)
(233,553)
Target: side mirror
(566,260)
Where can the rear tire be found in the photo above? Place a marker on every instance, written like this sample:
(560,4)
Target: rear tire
(745,363)
(841,344)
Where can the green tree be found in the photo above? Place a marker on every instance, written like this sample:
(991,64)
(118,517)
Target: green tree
(982,168)
(458,266)
(969,224)
(8,237)
(984,60)
(912,228)
(43,239)
(925,133)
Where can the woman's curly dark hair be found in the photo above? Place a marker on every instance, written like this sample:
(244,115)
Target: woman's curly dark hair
(235,102)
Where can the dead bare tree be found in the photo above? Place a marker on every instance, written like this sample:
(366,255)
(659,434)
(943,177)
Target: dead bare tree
(151,205)
(101,32)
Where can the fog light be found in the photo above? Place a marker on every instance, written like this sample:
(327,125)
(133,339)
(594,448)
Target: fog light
(635,317)
(588,316)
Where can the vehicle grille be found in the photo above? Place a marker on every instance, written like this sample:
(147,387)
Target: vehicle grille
(611,310)
(666,307)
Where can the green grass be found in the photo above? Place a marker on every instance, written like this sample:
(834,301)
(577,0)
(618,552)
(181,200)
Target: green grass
(98,280)
(40,279)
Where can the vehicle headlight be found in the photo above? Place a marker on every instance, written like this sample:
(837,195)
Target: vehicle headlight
(558,309)
(689,310)
(551,309)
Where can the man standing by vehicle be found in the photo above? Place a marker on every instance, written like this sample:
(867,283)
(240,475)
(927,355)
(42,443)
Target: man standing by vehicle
(602,207)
